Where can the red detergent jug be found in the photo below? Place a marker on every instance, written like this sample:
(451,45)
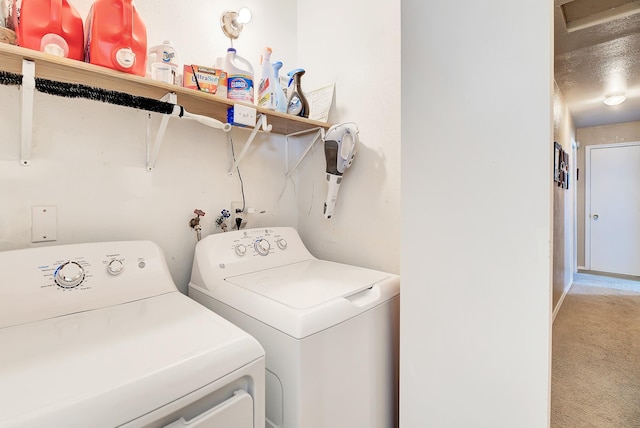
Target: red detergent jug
(116,37)
(52,26)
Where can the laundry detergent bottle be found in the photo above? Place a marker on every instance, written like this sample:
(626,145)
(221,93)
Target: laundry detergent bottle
(116,37)
(281,99)
(297,103)
(239,77)
(51,26)
(163,63)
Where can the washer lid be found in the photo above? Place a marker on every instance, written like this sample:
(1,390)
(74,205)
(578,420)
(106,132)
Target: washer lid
(309,283)
(306,297)
(105,367)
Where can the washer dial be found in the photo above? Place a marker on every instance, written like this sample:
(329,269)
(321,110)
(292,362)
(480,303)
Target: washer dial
(69,275)
(241,249)
(262,246)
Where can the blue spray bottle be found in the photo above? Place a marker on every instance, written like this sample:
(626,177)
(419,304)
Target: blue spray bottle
(281,100)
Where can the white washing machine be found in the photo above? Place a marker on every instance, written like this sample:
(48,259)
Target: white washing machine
(330,330)
(97,335)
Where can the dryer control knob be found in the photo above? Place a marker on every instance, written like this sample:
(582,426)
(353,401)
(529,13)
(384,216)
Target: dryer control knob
(115,267)
(69,275)
(241,250)
(282,243)
(262,246)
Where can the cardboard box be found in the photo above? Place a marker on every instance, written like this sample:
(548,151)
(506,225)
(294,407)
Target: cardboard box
(206,79)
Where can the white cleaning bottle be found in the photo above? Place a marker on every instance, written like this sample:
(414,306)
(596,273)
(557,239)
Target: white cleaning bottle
(239,77)
(266,88)
(163,63)
(281,99)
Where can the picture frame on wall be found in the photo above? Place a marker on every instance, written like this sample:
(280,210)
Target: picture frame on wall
(557,150)
(560,166)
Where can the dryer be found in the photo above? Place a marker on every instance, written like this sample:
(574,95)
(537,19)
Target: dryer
(97,335)
(329,330)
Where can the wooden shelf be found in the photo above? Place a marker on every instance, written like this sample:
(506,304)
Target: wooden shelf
(71,71)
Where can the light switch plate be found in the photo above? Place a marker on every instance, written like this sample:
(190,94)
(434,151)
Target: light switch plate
(44,223)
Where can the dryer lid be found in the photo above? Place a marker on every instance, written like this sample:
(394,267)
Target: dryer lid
(108,366)
(310,283)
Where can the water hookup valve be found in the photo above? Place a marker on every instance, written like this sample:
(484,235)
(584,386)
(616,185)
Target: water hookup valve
(221,220)
(194,223)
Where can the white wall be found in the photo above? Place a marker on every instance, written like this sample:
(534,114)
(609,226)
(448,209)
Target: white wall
(476,267)
(564,225)
(357,46)
(89,157)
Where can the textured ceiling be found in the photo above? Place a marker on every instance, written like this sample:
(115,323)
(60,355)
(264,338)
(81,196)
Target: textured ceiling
(601,56)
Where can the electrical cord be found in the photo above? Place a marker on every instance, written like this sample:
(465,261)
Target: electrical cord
(233,154)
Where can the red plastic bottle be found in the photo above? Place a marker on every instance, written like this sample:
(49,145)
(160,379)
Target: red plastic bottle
(52,26)
(116,37)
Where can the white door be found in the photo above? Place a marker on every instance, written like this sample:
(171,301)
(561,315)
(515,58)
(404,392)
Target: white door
(612,209)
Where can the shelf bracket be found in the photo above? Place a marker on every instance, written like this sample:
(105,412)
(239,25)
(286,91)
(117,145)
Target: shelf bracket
(27,89)
(153,149)
(318,137)
(261,123)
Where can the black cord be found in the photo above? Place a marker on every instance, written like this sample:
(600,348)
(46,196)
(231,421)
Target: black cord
(233,153)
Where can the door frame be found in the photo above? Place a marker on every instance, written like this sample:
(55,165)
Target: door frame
(587,195)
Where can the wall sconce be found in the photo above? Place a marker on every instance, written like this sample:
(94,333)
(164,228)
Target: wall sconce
(232,22)
(614,99)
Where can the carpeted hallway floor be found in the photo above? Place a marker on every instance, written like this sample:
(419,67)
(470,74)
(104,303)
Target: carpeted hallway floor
(596,355)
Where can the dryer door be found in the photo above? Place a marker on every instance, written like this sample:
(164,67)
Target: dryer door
(237,411)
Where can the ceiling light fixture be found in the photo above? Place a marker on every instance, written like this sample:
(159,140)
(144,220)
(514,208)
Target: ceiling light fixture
(614,99)
(232,22)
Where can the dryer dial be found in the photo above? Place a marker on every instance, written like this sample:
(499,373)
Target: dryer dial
(69,275)
(114,267)
(262,246)
(282,243)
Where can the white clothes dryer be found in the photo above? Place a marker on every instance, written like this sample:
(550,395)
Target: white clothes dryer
(97,335)
(330,330)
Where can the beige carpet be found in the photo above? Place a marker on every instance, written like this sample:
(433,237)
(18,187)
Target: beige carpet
(596,355)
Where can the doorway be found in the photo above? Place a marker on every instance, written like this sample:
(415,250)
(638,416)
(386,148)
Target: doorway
(612,208)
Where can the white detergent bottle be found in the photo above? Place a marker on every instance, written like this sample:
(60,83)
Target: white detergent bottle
(266,88)
(163,63)
(239,77)
(281,99)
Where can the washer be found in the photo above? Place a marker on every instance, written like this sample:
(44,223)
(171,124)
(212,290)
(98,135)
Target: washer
(97,335)
(330,330)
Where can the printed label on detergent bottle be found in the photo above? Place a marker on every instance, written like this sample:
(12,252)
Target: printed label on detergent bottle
(240,88)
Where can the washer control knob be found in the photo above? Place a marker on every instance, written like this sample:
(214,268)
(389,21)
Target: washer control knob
(241,249)
(262,246)
(282,243)
(69,275)
(114,267)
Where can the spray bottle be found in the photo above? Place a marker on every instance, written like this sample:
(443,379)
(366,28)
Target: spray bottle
(281,100)
(266,88)
(297,103)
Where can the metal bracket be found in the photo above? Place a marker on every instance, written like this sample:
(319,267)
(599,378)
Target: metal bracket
(27,89)
(261,122)
(154,148)
(319,136)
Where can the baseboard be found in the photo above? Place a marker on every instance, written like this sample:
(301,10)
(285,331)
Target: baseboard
(557,308)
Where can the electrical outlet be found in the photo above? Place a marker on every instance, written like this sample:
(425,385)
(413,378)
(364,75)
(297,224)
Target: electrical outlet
(244,115)
(236,212)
